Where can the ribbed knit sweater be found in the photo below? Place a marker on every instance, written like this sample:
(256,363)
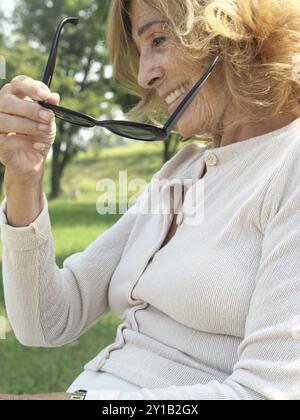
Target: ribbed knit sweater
(213,314)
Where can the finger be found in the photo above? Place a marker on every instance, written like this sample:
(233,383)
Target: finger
(14,124)
(26,108)
(24,86)
(14,81)
(15,142)
(12,105)
(6,88)
(54,99)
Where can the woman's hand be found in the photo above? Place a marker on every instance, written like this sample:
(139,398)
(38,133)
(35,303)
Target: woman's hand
(43,397)
(27,130)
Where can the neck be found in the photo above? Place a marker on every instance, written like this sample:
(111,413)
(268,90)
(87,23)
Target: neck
(249,131)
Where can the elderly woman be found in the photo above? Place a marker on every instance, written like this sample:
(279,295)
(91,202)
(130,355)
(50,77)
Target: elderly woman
(210,310)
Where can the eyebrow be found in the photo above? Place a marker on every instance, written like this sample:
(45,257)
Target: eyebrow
(148,25)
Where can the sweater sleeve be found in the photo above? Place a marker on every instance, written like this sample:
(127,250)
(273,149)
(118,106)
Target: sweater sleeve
(48,306)
(268,366)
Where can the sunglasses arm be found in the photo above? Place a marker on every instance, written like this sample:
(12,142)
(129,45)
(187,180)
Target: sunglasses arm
(48,75)
(189,98)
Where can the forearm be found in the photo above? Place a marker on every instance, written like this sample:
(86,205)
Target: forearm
(28,262)
(48,306)
(24,200)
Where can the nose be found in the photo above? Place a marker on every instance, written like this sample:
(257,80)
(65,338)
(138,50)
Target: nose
(150,73)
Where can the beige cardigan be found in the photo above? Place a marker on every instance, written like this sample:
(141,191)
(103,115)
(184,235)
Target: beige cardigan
(215,313)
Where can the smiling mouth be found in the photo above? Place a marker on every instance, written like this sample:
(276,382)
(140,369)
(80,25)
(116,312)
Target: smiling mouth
(173,97)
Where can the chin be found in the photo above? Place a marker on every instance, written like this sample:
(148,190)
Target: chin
(186,130)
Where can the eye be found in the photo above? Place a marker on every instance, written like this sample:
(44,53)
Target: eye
(158,41)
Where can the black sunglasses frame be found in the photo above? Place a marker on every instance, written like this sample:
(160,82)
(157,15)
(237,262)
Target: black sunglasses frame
(153,133)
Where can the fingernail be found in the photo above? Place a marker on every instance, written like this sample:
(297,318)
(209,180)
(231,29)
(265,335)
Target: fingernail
(43,93)
(40,147)
(45,116)
(43,127)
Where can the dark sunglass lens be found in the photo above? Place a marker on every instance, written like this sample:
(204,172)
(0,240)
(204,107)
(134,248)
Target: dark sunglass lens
(73,119)
(133,132)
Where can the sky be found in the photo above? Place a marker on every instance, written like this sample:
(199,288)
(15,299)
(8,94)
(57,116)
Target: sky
(7,6)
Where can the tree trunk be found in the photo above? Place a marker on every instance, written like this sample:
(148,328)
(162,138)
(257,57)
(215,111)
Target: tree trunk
(56,174)
(167,154)
(1,182)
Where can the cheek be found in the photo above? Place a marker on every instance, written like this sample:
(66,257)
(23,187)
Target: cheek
(195,112)
(196,119)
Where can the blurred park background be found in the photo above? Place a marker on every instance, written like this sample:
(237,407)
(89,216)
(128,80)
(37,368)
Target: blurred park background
(78,161)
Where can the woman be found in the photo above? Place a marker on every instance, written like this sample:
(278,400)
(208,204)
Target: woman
(211,310)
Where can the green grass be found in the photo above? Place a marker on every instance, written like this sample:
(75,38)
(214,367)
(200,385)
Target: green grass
(75,224)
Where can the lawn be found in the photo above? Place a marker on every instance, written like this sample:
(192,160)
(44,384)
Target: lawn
(75,224)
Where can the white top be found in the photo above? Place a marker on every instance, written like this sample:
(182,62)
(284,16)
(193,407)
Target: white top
(215,314)
(100,381)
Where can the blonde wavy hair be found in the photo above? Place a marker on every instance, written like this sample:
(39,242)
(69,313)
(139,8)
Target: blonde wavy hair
(258,42)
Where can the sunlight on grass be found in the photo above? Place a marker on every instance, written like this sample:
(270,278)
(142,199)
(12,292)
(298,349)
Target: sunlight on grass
(5,327)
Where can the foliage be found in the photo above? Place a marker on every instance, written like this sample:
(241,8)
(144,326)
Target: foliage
(82,76)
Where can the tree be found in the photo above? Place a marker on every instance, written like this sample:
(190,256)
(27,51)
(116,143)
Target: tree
(82,59)
(80,76)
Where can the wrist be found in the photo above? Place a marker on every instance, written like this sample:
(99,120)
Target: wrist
(28,192)
(29,180)
(25,202)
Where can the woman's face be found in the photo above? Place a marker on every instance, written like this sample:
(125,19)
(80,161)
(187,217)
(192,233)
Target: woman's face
(163,69)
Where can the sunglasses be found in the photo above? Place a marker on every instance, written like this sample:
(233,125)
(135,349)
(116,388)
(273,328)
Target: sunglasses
(127,129)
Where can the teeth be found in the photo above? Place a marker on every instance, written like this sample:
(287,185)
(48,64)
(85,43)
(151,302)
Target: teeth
(175,95)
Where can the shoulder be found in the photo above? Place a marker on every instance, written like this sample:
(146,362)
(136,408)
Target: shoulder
(284,189)
(288,160)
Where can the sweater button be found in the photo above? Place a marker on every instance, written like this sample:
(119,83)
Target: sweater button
(211,159)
